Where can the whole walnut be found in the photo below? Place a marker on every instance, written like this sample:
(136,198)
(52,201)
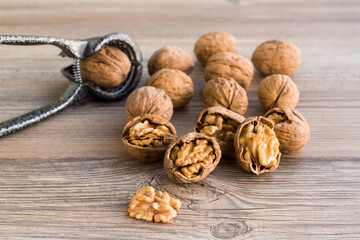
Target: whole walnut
(227,93)
(107,68)
(214,42)
(276,56)
(230,65)
(148,100)
(176,84)
(278,91)
(170,57)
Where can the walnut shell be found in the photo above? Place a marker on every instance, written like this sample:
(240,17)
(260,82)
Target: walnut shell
(176,84)
(170,57)
(225,93)
(278,91)
(214,42)
(174,172)
(148,100)
(149,152)
(276,56)
(107,68)
(230,65)
(252,166)
(291,128)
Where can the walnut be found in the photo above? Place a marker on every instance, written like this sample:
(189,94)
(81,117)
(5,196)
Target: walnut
(148,100)
(176,84)
(230,65)
(148,205)
(191,158)
(147,137)
(291,128)
(276,56)
(214,42)
(107,68)
(220,123)
(170,57)
(278,91)
(256,146)
(225,93)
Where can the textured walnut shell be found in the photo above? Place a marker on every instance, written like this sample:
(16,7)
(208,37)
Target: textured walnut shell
(276,57)
(227,148)
(176,84)
(149,153)
(248,165)
(176,175)
(278,91)
(107,68)
(148,100)
(225,93)
(170,57)
(294,132)
(214,42)
(230,65)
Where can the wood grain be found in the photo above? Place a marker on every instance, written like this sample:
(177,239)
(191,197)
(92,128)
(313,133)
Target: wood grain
(69,177)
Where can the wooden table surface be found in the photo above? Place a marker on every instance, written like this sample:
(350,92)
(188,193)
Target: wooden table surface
(69,177)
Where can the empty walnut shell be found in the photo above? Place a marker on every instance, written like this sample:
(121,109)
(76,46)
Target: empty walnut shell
(220,123)
(214,42)
(148,100)
(225,93)
(176,84)
(276,57)
(147,137)
(170,57)
(278,91)
(230,65)
(191,158)
(264,144)
(291,128)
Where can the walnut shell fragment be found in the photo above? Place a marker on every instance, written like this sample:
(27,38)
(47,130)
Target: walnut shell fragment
(147,137)
(291,128)
(148,100)
(230,65)
(225,93)
(278,91)
(191,158)
(256,146)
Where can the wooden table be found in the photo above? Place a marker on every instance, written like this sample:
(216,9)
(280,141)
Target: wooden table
(69,177)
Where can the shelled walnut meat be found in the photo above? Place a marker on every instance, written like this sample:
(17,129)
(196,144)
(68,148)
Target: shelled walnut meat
(191,158)
(291,128)
(256,146)
(150,205)
(227,93)
(220,123)
(147,137)
(148,100)
(230,65)
(107,68)
(176,84)
(170,57)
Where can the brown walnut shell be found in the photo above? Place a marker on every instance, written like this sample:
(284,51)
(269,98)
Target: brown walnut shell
(225,93)
(291,128)
(170,57)
(148,100)
(230,65)
(151,152)
(276,57)
(214,42)
(173,170)
(176,84)
(251,166)
(107,68)
(278,91)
